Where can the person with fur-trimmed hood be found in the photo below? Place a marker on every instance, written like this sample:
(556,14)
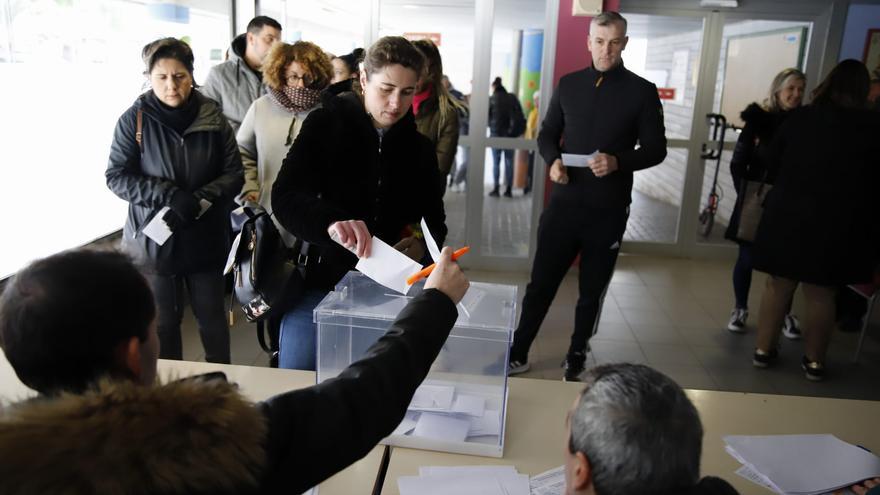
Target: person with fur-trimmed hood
(750,163)
(80,328)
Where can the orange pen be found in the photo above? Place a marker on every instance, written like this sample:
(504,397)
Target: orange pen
(424,272)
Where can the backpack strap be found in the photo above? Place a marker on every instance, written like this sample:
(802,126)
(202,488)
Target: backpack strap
(139,134)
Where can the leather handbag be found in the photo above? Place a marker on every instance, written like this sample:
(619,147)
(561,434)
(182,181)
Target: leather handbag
(269,277)
(751,209)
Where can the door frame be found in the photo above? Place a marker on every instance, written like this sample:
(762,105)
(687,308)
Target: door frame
(686,243)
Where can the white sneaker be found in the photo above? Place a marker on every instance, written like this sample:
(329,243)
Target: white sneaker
(791,327)
(738,317)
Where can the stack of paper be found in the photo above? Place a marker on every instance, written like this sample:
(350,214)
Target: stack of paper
(465,480)
(441,413)
(801,464)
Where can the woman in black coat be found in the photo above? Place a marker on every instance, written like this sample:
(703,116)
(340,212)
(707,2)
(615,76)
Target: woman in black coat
(751,163)
(818,227)
(180,161)
(359,168)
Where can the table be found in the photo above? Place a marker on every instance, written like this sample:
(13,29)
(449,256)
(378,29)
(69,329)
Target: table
(256,384)
(536,435)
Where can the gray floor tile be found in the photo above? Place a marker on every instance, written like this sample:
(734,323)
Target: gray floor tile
(650,334)
(688,376)
(669,354)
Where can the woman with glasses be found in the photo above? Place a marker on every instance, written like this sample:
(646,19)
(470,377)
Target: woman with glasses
(294,75)
(174,154)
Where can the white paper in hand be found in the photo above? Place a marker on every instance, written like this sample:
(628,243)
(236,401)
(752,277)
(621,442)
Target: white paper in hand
(579,161)
(433,248)
(157,229)
(388,266)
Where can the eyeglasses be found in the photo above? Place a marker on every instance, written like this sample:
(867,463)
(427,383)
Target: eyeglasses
(294,79)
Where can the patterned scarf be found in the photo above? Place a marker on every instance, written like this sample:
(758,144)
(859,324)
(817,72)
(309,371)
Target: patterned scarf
(295,100)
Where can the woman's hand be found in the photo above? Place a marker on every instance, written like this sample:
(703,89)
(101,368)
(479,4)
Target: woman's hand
(253,196)
(353,235)
(412,247)
(558,173)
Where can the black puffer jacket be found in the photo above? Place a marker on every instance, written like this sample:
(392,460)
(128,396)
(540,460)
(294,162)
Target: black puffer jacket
(750,159)
(501,113)
(204,161)
(338,169)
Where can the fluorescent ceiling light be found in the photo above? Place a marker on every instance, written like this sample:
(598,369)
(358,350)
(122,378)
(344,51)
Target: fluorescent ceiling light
(728,4)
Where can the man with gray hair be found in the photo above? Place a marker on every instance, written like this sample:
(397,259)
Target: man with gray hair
(602,113)
(634,431)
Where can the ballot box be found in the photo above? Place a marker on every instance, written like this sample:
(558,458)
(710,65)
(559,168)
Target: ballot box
(461,405)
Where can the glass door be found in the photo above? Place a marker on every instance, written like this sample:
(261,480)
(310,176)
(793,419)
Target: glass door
(704,63)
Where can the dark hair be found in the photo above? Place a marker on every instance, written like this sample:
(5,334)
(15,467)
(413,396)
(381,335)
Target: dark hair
(609,17)
(434,75)
(496,83)
(258,23)
(351,60)
(62,318)
(392,50)
(167,48)
(638,429)
(847,85)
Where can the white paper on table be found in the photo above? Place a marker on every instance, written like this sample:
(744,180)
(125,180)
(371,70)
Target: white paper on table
(550,482)
(388,266)
(806,464)
(433,249)
(408,423)
(157,229)
(579,161)
(442,427)
(755,477)
(441,485)
(472,405)
(489,424)
(230,260)
(432,398)
(462,470)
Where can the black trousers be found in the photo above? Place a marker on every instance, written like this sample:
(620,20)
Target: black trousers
(207,301)
(566,230)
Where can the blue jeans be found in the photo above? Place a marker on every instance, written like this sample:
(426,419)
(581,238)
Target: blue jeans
(299,333)
(508,166)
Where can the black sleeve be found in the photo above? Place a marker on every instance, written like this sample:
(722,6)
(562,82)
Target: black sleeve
(432,201)
(743,153)
(318,431)
(123,174)
(296,200)
(228,184)
(652,136)
(551,130)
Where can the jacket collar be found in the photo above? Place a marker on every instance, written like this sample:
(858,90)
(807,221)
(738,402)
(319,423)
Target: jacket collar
(209,118)
(120,437)
(612,74)
(352,108)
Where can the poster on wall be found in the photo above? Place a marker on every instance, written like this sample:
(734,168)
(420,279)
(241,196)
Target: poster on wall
(871,57)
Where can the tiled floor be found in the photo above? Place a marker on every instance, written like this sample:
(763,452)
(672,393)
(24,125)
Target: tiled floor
(670,314)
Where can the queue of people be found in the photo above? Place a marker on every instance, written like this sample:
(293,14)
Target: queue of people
(338,150)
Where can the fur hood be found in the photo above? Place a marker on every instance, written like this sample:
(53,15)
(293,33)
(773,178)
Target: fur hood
(187,436)
(763,122)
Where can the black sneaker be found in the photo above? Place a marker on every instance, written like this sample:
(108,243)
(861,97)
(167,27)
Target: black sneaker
(813,370)
(494,193)
(763,359)
(574,367)
(515,367)
(508,193)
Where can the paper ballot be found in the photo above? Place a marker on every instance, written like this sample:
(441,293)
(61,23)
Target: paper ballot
(385,264)
(580,161)
(157,229)
(433,248)
(550,482)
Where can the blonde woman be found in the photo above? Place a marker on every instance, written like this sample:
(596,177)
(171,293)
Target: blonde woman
(294,75)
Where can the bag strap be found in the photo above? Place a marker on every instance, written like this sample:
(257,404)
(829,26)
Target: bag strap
(139,134)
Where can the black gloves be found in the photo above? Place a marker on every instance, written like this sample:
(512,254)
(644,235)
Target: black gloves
(173,220)
(185,205)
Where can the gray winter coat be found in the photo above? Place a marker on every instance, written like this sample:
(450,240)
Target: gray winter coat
(233,84)
(203,161)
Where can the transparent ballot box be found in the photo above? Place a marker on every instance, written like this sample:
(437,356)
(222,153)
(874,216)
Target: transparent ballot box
(461,405)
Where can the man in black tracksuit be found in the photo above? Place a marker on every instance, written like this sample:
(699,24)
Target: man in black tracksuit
(606,109)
